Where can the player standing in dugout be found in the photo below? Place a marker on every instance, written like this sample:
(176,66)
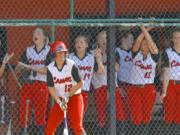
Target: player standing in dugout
(88,62)
(34,59)
(142,93)
(124,55)
(99,82)
(64,81)
(170,96)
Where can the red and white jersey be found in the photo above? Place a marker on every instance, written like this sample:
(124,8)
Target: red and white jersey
(174,64)
(62,80)
(143,71)
(99,80)
(125,65)
(37,59)
(86,67)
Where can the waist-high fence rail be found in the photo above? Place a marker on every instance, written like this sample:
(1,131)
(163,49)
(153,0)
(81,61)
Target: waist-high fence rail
(126,52)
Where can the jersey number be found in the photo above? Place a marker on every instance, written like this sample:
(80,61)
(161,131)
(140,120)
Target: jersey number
(147,75)
(68,87)
(86,76)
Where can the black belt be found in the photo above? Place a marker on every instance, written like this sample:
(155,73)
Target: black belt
(176,82)
(34,81)
(120,83)
(140,85)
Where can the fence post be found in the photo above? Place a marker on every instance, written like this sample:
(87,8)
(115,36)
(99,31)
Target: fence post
(71,9)
(111,68)
(52,40)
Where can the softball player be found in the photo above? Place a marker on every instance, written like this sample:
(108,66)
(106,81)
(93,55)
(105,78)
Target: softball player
(64,81)
(142,93)
(124,54)
(99,83)
(86,60)
(35,89)
(170,96)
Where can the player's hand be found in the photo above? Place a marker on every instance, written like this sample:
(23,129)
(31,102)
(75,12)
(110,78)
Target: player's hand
(7,58)
(62,105)
(161,98)
(150,28)
(97,53)
(66,97)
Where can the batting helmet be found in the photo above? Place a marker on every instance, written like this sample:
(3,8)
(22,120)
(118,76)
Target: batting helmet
(58,46)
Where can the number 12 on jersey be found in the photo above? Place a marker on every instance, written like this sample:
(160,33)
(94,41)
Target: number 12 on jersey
(68,87)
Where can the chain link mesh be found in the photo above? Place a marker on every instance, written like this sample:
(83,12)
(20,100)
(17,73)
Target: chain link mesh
(80,24)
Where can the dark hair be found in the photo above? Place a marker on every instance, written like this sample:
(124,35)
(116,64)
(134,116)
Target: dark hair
(86,37)
(122,34)
(87,40)
(45,33)
(176,30)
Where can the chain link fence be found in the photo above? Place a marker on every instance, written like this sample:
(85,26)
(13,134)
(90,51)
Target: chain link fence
(127,53)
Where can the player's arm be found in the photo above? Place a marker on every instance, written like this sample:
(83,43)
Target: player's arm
(29,67)
(138,43)
(7,57)
(166,76)
(77,77)
(2,69)
(117,63)
(97,54)
(24,60)
(139,40)
(39,70)
(165,81)
(152,46)
(117,67)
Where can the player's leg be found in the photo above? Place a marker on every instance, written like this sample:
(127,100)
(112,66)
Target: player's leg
(76,108)
(85,99)
(48,106)
(148,101)
(126,108)
(40,105)
(177,105)
(169,103)
(100,102)
(119,113)
(119,105)
(134,101)
(25,95)
(55,117)
(169,107)
(100,98)
(176,124)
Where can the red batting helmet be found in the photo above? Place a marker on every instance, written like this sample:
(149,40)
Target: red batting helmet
(58,46)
